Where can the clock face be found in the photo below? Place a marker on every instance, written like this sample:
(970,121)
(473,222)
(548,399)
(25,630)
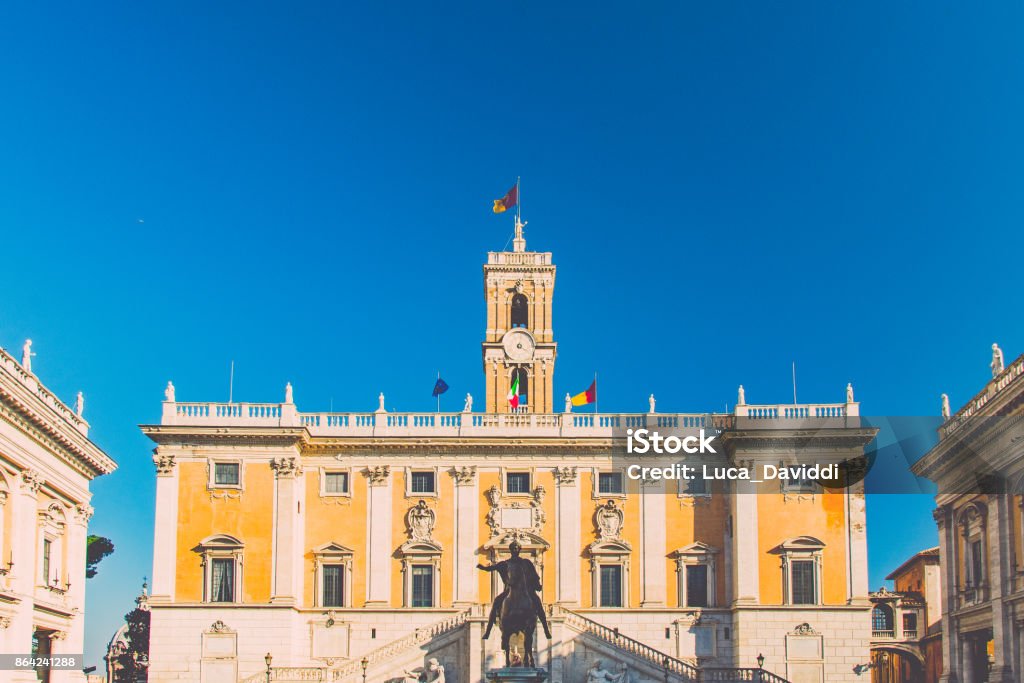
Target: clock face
(519,345)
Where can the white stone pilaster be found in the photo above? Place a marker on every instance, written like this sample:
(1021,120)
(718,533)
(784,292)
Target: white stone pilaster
(288,531)
(947,566)
(858,544)
(378,569)
(1000,539)
(746,575)
(652,542)
(467,514)
(165,527)
(23,506)
(567,533)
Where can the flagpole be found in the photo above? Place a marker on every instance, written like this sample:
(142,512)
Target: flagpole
(519,202)
(439,395)
(595,393)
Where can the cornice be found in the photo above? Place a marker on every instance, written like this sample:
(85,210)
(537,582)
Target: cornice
(956,454)
(834,438)
(75,451)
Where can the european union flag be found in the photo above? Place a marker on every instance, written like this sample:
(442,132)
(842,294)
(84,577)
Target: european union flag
(439,388)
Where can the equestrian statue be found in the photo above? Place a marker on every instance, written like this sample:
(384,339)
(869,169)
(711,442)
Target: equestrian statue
(518,607)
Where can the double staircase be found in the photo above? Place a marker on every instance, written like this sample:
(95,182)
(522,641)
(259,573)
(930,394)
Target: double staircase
(382,662)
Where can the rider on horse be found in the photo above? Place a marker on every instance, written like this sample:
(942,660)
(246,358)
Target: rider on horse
(529,572)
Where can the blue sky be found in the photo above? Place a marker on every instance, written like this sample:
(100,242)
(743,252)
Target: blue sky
(305,189)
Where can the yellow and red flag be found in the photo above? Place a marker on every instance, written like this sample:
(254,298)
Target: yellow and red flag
(586,397)
(508,201)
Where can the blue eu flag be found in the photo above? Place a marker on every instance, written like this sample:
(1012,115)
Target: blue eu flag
(439,388)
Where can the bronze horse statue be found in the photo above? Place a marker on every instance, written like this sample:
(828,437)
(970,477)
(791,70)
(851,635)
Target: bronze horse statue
(518,607)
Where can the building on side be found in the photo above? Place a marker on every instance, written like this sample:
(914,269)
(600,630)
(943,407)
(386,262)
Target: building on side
(906,623)
(46,464)
(978,466)
(345,545)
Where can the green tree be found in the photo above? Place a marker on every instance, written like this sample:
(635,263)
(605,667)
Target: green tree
(135,660)
(97,547)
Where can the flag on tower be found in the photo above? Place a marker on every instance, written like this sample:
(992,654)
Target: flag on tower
(508,201)
(513,393)
(586,397)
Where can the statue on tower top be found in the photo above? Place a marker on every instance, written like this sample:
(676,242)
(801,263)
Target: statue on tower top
(997,360)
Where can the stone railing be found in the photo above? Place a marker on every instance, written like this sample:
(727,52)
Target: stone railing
(467,424)
(656,658)
(422,635)
(34,386)
(998,384)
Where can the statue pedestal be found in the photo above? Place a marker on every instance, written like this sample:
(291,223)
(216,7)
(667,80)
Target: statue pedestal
(517,674)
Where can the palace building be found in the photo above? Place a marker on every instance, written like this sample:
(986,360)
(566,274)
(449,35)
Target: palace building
(344,546)
(47,462)
(978,467)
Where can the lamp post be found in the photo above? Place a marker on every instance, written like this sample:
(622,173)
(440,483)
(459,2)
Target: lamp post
(760,666)
(364,663)
(268,659)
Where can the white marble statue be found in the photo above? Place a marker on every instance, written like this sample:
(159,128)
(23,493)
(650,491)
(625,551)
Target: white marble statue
(288,396)
(598,674)
(568,403)
(169,393)
(26,355)
(741,397)
(468,408)
(997,360)
(433,672)
(849,392)
(651,402)
(945,407)
(79,404)
(380,403)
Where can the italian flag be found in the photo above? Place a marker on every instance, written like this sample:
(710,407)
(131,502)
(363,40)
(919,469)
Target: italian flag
(513,393)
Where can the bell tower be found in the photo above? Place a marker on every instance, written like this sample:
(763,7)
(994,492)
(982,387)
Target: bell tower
(519,286)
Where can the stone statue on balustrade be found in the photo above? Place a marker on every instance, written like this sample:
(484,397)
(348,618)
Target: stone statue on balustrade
(518,607)
(26,355)
(468,407)
(741,397)
(849,393)
(169,393)
(568,403)
(945,407)
(651,403)
(997,360)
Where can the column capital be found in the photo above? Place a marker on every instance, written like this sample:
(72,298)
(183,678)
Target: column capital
(83,513)
(377,475)
(164,463)
(464,476)
(939,514)
(30,481)
(286,468)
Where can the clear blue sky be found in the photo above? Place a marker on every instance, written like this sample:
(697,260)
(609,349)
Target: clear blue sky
(306,189)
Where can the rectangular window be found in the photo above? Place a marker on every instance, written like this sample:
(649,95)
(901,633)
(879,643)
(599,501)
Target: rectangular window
(423,585)
(804,582)
(977,573)
(696,585)
(609,482)
(225,473)
(422,482)
(334,589)
(910,625)
(222,581)
(335,482)
(47,554)
(611,585)
(517,482)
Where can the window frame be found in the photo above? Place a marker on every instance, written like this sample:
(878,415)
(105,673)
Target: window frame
(325,471)
(409,493)
(696,554)
(429,570)
(597,493)
(604,553)
(802,549)
(221,547)
(506,471)
(330,555)
(415,553)
(211,480)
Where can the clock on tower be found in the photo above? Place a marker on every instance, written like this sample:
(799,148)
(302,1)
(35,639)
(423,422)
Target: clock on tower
(519,345)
